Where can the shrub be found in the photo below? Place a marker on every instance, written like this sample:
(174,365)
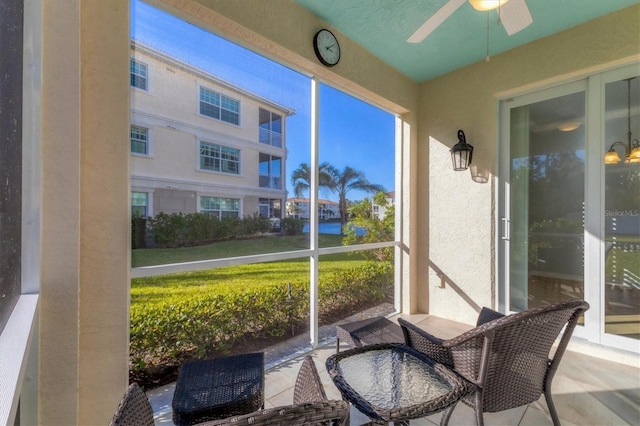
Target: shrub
(192,229)
(169,229)
(178,327)
(291,226)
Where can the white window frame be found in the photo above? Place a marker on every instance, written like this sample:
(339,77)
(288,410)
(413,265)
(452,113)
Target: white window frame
(220,106)
(145,77)
(146,142)
(147,203)
(220,158)
(218,212)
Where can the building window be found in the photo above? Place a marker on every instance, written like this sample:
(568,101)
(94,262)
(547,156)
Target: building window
(139,140)
(220,107)
(270,128)
(270,207)
(270,169)
(219,158)
(220,207)
(140,204)
(138,74)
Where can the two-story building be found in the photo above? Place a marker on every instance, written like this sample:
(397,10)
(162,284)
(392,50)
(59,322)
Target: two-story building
(201,144)
(298,208)
(380,211)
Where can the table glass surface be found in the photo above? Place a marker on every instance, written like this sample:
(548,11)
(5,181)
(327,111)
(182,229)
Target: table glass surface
(392,378)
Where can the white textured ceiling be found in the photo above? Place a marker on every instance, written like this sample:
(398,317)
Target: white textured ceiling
(383,27)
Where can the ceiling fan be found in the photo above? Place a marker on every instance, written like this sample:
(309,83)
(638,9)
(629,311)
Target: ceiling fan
(513,14)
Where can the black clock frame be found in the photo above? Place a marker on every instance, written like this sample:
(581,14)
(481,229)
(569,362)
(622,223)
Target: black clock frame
(317,51)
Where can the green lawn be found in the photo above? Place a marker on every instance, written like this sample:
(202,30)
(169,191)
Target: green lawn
(221,280)
(232,248)
(187,285)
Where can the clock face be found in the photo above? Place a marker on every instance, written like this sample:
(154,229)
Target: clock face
(326,47)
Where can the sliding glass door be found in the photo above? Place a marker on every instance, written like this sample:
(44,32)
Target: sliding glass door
(569,215)
(544,226)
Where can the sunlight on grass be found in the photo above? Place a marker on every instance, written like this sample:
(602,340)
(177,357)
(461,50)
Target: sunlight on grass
(232,248)
(223,280)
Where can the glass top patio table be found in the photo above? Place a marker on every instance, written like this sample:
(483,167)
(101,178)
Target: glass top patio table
(393,382)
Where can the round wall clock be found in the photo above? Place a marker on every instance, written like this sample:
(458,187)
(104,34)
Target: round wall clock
(326,47)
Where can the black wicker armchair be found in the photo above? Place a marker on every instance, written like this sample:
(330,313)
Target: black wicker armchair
(508,358)
(310,405)
(134,409)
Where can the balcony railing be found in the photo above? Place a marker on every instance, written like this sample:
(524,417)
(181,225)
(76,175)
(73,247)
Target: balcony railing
(272,182)
(270,137)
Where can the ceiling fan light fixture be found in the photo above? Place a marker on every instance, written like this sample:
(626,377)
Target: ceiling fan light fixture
(484,5)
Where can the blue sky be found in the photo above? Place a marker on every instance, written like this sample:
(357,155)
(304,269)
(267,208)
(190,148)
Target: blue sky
(349,128)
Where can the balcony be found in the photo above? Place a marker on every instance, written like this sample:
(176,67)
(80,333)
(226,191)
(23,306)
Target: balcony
(271,182)
(270,137)
(586,389)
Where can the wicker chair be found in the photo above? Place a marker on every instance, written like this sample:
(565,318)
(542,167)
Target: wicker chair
(310,405)
(508,358)
(134,409)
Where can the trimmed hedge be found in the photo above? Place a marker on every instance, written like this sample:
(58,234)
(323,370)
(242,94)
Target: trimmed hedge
(180,327)
(291,226)
(180,229)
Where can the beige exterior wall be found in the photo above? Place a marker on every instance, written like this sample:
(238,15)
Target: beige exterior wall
(462,212)
(84,316)
(169,109)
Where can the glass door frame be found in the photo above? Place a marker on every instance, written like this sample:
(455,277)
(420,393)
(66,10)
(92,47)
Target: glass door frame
(503,200)
(593,329)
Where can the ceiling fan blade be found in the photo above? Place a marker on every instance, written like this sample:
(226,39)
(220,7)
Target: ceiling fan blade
(515,16)
(435,20)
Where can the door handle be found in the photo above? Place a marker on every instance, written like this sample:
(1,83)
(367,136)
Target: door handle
(505,229)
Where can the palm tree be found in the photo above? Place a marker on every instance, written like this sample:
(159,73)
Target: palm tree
(301,178)
(344,181)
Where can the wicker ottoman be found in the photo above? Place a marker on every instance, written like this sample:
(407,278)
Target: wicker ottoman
(218,388)
(368,332)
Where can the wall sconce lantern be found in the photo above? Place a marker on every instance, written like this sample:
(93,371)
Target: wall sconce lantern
(461,153)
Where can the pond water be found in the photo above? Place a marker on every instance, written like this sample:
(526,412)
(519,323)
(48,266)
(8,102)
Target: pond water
(329,228)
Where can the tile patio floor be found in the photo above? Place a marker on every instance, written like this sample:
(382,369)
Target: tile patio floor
(586,390)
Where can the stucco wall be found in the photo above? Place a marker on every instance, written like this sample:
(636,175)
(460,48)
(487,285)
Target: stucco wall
(174,94)
(461,211)
(170,110)
(83,357)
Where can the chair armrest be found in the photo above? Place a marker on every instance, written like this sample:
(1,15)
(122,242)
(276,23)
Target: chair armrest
(426,343)
(487,315)
(318,412)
